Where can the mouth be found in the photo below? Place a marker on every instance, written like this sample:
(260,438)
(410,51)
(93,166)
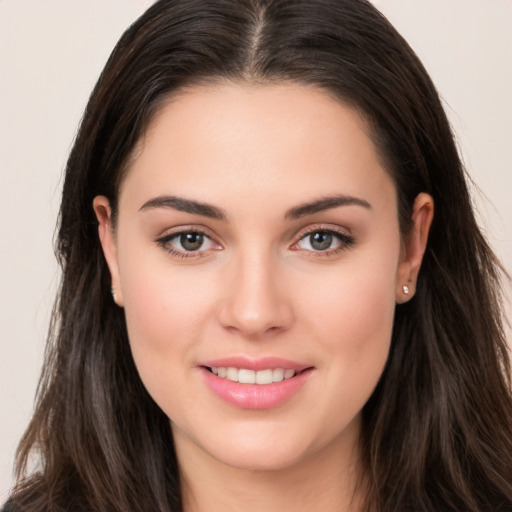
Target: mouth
(247,376)
(261,383)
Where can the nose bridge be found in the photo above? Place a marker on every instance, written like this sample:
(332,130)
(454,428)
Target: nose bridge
(256,301)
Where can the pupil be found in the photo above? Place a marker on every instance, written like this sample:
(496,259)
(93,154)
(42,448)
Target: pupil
(191,241)
(320,240)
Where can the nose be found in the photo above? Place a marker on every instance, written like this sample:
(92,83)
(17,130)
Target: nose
(255,301)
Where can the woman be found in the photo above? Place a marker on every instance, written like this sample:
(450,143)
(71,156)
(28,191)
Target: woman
(275,294)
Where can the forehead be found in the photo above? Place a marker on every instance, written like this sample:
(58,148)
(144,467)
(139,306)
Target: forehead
(284,140)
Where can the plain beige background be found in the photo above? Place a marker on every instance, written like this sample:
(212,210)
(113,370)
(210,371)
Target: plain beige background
(51,52)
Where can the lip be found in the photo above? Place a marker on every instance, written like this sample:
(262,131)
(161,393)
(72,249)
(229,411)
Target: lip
(262,363)
(255,396)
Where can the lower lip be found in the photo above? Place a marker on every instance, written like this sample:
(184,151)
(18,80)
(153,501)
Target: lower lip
(255,396)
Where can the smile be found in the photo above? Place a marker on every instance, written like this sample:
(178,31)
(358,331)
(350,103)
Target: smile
(261,383)
(246,376)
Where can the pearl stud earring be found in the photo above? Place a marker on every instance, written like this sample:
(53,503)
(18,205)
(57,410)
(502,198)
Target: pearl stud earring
(405,288)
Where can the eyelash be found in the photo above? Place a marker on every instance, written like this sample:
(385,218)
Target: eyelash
(164,242)
(346,241)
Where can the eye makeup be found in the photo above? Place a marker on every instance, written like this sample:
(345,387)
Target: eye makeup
(194,241)
(316,241)
(323,240)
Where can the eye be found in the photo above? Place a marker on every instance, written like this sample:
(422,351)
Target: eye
(191,241)
(324,241)
(187,243)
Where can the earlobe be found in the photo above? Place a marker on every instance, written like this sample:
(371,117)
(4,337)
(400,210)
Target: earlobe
(103,213)
(413,249)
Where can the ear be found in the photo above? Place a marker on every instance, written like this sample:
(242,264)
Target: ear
(103,213)
(413,247)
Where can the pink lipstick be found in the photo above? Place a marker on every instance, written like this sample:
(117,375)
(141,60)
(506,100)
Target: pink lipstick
(255,384)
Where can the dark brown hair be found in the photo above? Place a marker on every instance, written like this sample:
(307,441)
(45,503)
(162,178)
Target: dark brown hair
(437,431)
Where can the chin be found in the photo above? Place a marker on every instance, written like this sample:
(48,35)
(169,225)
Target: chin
(257,450)
(261,459)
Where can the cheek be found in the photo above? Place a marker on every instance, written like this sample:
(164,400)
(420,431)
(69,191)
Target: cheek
(165,311)
(368,304)
(356,301)
(355,324)
(353,319)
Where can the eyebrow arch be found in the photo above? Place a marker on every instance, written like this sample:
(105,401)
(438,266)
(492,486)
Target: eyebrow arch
(325,203)
(185,205)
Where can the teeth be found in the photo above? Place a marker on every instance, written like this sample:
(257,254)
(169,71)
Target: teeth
(289,373)
(245,376)
(263,377)
(232,374)
(277,374)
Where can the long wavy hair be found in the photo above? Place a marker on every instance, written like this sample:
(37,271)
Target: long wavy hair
(437,431)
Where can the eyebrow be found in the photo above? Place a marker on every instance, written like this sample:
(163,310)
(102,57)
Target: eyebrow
(213,212)
(185,205)
(325,203)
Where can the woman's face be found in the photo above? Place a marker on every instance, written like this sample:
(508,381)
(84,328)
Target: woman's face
(257,238)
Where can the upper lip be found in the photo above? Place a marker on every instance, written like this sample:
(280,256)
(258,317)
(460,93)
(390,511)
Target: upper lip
(262,363)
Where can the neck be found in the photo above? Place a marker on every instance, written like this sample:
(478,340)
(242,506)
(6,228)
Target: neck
(327,480)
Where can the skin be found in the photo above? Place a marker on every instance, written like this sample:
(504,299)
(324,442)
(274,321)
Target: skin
(257,287)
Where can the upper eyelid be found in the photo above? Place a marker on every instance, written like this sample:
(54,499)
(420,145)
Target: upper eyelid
(178,230)
(329,228)
(343,234)
(165,240)
(300,234)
